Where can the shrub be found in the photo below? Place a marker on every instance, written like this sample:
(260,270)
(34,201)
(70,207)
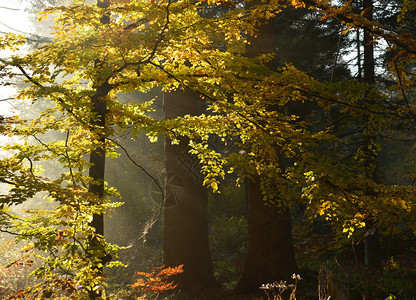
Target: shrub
(156,282)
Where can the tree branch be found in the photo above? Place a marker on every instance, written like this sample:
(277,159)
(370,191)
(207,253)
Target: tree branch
(137,165)
(9,8)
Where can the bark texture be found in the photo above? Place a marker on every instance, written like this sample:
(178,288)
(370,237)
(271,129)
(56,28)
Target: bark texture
(270,255)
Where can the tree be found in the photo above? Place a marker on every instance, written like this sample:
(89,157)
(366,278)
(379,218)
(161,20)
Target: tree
(168,44)
(372,103)
(369,134)
(136,47)
(372,248)
(270,253)
(185,229)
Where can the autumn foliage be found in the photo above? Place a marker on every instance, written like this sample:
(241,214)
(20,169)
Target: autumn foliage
(315,144)
(157,281)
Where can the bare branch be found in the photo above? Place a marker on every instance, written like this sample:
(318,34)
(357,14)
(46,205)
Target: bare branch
(30,36)
(9,8)
(7,181)
(29,77)
(137,165)
(162,33)
(68,158)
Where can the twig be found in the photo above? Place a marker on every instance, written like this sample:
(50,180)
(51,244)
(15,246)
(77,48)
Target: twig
(334,66)
(69,159)
(31,36)
(137,165)
(9,8)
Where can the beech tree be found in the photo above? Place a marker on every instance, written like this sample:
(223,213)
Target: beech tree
(99,51)
(270,253)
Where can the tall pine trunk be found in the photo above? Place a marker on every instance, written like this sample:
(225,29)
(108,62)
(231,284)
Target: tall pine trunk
(270,253)
(185,230)
(371,241)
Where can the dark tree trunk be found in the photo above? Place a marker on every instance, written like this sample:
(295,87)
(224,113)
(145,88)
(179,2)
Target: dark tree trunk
(371,240)
(185,238)
(369,72)
(97,156)
(97,160)
(358,41)
(96,172)
(270,253)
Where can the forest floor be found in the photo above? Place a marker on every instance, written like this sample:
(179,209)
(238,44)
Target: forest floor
(216,294)
(307,289)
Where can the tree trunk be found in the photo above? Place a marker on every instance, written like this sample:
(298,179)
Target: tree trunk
(185,232)
(97,169)
(371,239)
(369,72)
(97,160)
(96,172)
(270,253)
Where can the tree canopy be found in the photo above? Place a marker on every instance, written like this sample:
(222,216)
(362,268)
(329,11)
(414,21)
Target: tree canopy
(102,50)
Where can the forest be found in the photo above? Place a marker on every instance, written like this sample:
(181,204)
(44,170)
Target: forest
(208,149)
